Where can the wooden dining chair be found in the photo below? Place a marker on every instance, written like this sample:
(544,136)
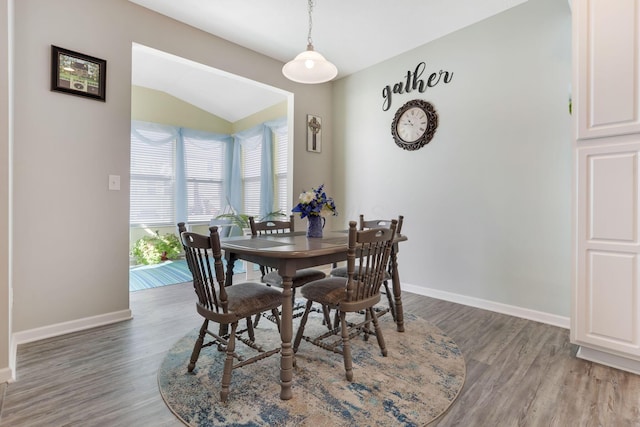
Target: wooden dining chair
(270,275)
(225,306)
(367,258)
(376,223)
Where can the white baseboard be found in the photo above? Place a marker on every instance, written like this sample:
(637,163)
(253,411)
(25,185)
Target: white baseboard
(63,328)
(609,359)
(31,335)
(6,375)
(511,310)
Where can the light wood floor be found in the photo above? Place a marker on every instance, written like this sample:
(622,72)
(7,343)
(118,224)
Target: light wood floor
(519,373)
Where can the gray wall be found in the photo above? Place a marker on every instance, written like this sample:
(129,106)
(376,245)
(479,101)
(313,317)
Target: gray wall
(487,203)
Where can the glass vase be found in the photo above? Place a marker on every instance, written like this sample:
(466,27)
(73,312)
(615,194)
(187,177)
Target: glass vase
(315,225)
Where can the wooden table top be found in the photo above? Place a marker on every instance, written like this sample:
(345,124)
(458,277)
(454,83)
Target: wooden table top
(288,245)
(291,245)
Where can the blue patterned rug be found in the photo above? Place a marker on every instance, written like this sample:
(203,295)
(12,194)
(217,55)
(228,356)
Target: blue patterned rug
(163,274)
(418,381)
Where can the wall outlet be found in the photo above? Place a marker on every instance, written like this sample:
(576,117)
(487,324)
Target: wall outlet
(114,182)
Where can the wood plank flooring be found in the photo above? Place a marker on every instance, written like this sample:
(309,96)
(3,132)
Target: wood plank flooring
(519,372)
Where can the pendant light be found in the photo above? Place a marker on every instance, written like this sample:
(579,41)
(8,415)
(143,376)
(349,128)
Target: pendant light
(309,67)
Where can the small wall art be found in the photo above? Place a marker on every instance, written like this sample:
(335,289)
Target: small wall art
(314,133)
(78,74)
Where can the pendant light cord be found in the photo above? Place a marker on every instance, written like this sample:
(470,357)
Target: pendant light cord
(309,41)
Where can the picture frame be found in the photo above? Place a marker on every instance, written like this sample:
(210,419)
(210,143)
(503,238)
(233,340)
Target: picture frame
(78,74)
(314,133)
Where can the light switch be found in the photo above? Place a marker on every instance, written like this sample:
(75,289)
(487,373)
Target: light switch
(114,182)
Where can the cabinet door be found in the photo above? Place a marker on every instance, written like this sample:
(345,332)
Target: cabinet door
(607,297)
(606,61)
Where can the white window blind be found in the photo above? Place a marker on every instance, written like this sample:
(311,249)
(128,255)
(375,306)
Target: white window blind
(251,169)
(159,195)
(152,179)
(204,170)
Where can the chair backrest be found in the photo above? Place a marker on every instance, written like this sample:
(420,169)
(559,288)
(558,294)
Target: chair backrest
(376,223)
(201,252)
(367,259)
(182,227)
(271,226)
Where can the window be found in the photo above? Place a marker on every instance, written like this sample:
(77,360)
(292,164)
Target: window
(204,172)
(182,174)
(152,177)
(251,169)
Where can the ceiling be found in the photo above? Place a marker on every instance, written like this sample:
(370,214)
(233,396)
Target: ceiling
(353,34)
(222,94)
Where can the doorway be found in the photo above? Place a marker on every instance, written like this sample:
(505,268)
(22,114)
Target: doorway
(176,92)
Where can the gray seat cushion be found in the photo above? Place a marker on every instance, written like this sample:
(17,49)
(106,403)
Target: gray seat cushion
(248,298)
(330,291)
(302,277)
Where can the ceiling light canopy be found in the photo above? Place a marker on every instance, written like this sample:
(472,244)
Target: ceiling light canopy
(309,67)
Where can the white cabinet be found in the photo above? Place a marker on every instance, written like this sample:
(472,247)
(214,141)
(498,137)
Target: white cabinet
(605,319)
(605,61)
(606,314)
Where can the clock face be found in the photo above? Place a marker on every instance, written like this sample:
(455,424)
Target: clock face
(414,124)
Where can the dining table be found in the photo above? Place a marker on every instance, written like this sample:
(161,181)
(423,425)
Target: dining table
(289,252)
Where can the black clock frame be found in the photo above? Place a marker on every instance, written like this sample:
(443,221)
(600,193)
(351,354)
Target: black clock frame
(426,137)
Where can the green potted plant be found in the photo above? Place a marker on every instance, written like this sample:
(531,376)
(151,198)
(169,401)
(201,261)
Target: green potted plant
(153,249)
(237,219)
(242,220)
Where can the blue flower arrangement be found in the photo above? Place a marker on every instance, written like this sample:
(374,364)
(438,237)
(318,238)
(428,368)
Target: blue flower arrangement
(315,203)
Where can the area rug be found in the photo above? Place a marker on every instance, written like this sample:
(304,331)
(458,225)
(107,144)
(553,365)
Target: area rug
(163,274)
(413,386)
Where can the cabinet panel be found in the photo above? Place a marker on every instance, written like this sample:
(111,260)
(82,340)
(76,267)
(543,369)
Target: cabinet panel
(608,79)
(611,297)
(613,212)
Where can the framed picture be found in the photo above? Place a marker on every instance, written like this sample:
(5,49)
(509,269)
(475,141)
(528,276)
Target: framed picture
(78,74)
(314,133)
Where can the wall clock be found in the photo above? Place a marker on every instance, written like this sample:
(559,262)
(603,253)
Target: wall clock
(414,124)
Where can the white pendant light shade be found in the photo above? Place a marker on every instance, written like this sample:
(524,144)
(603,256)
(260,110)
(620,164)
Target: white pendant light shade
(309,67)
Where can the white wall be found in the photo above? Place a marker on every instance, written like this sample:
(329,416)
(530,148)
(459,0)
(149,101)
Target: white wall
(487,201)
(70,255)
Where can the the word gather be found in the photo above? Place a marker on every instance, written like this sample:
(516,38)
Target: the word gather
(414,81)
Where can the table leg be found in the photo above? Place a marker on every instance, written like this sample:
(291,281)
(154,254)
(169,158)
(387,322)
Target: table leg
(228,278)
(286,333)
(395,280)
(228,281)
